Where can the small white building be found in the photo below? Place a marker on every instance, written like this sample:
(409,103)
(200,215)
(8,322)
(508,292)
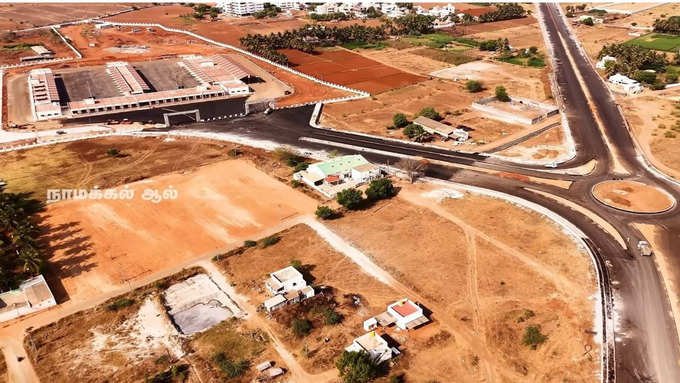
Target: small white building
(44,95)
(374,345)
(287,286)
(407,314)
(596,20)
(626,83)
(445,131)
(602,64)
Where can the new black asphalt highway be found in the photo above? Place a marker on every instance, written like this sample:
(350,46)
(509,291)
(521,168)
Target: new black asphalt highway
(641,342)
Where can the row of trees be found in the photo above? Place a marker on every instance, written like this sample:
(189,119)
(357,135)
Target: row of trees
(270,10)
(504,12)
(632,58)
(308,37)
(20,253)
(329,16)
(669,25)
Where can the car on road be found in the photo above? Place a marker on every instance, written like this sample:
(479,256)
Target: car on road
(644,248)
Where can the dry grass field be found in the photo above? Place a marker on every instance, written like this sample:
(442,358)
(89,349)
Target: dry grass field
(504,269)
(13,48)
(86,164)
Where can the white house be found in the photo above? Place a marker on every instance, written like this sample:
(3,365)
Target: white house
(329,177)
(407,314)
(445,131)
(374,345)
(287,286)
(627,84)
(602,64)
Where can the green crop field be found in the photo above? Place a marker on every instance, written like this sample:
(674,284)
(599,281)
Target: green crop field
(657,41)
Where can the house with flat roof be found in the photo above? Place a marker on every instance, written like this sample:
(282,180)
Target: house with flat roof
(338,173)
(374,345)
(407,314)
(32,295)
(445,131)
(287,286)
(626,83)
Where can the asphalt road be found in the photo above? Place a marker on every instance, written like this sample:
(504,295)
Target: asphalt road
(641,342)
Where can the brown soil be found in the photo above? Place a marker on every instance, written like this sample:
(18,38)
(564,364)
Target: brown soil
(41,37)
(547,145)
(159,43)
(657,133)
(523,36)
(20,16)
(632,196)
(500,261)
(85,164)
(595,37)
(3,370)
(350,69)
(495,26)
(248,268)
(374,115)
(405,59)
(65,349)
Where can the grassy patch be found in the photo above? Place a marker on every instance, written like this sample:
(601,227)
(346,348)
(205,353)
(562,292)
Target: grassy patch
(18,47)
(431,40)
(447,56)
(657,41)
(364,45)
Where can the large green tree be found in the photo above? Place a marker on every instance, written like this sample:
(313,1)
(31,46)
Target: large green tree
(357,367)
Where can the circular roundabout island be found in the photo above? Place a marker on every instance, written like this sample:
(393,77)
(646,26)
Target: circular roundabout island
(632,196)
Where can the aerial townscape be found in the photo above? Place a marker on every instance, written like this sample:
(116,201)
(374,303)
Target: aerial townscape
(339,192)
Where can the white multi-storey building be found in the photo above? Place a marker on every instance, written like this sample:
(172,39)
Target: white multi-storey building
(240,8)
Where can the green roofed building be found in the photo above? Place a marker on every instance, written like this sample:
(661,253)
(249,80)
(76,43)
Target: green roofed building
(329,177)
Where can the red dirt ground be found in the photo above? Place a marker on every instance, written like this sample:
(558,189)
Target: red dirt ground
(350,69)
(20,16)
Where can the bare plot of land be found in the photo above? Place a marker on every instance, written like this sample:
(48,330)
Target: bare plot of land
(374,115)
(548,145)
(658,133)
(523,36)
(503,269)
(405,59)
(595,37)
(85,164)
(19,16)
(644,18)
(248,268)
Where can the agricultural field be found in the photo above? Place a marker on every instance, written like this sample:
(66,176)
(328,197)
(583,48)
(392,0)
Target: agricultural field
(344,67)
(657,42)
(484,246)
(21,16)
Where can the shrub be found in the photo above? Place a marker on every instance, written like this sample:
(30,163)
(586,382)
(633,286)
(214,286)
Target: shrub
(502,94)
(331,317)
(399,120)
(413,130)
(474,86)
(380,189)
(235,152)
(295,183)
(669,135)
(249,243)
(350,198)
(356,367)
(231,368)
(324,212)
(271,240)
(113,152)
(645,77)
(301,327)
(300,166)
(119,304)
(533,337)
(588,21)
(430,113)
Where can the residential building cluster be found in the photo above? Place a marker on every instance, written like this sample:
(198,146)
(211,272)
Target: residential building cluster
(286,286)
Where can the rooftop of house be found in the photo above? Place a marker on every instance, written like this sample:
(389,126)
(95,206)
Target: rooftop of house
(286,274)
(437,126)
(371,341)
(405,307)
(340,164)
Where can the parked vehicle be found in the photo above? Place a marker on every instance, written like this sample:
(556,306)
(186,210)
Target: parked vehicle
(644,248)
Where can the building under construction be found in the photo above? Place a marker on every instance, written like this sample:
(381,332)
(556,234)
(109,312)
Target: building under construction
(185,89)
